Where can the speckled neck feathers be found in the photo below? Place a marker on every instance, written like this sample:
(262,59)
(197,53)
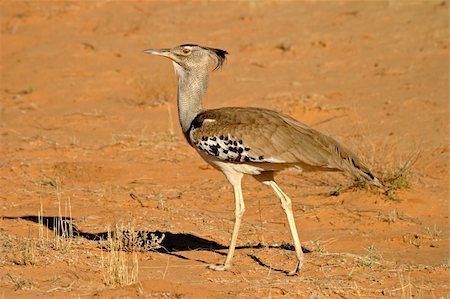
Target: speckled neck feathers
(191,89)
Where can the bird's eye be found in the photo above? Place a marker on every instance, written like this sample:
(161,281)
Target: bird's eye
(186,51)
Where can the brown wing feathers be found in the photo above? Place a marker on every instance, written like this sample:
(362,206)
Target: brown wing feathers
(259,135)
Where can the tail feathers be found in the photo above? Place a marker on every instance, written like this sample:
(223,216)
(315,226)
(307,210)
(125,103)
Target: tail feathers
(377,183)
(372,179)
(351,164)
(361,171)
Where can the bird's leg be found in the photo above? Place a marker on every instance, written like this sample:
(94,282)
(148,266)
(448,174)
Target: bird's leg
(287,206)
(235,180)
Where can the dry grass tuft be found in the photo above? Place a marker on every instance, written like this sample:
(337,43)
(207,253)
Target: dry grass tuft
(370,259)
(392,166)
(398,175)
(173,136)
(121,266)
(20,283)
(64,228)
(117,269)
(28,251)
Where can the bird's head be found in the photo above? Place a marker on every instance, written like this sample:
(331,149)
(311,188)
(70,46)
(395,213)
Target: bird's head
(191,57)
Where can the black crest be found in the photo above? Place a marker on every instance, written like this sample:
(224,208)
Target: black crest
(221,56)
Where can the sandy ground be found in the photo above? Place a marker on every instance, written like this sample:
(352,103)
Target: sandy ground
(89,133)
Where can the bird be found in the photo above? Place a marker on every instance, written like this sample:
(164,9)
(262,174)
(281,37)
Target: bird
(251,141)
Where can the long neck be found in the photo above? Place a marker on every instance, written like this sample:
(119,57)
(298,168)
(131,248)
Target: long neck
(191,89)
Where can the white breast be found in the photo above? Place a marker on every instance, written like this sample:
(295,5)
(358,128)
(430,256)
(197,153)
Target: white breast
(227,166)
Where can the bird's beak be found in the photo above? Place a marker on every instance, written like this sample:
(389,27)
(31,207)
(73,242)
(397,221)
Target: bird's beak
(165,53)
(160,52)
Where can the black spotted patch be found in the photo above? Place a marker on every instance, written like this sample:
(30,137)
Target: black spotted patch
(226,148)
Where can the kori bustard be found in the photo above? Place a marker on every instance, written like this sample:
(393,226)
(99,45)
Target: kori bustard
(253,141)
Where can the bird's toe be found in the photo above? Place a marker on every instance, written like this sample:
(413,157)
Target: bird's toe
(296,270)
(221,267)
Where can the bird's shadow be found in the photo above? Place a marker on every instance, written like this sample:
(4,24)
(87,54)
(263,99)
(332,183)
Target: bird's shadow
(169,243)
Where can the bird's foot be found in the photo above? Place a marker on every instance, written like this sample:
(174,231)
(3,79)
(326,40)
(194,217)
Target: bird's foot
(296,270)
(221,267)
